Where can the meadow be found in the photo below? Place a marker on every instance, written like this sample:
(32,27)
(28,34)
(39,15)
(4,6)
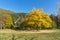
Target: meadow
(30,35)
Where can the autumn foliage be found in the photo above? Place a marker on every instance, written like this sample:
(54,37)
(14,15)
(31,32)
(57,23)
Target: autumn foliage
(5,21)
(37,18)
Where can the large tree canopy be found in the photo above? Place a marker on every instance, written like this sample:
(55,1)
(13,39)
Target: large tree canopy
(37,18)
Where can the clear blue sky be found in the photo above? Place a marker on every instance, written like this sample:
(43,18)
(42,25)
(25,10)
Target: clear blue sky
(49,6)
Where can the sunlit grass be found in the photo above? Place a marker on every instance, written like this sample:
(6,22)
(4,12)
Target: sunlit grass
(29,36)
(26,31)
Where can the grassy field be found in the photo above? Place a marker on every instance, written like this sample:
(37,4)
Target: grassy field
(30,35)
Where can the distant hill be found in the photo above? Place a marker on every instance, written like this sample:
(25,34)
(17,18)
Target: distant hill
(3,11)
(21,14)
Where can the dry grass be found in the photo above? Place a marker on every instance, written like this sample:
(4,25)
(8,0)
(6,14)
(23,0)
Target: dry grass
(25,31)
(9,34)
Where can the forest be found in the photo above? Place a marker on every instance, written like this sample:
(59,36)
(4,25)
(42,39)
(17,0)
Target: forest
(36,19)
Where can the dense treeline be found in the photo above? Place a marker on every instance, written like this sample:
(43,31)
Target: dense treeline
(34,20)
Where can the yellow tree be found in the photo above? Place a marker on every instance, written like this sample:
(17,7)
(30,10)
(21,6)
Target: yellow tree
(7,19)
(37,18)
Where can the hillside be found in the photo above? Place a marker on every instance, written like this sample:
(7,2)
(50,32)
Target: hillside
(3,11)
